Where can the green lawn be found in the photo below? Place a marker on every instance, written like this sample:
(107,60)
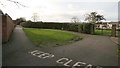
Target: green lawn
(105,32)
(50,37)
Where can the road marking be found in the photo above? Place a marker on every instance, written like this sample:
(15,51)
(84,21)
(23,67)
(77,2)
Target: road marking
(63,61)
(79,64)
(46,55)
(41,54)
(60,60)
(33,51)
(66,62)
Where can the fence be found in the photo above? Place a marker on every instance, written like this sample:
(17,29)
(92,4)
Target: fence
(7,27)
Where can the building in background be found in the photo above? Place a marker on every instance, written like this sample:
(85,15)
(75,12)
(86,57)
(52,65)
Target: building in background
(107,25)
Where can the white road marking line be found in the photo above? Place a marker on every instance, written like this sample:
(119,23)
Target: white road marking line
(46,55)
(66,64)
(89,66)
(41,54)
(33,51)
(60,60)
(79,64)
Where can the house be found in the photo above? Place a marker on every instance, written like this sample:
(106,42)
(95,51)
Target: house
(107,25)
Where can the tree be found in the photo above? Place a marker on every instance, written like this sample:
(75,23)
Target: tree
(99,18)
(93,18)
(35,17)
(20,20)
(75,20)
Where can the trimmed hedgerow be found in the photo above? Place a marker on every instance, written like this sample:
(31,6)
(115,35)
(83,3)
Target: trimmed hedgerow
(76,27)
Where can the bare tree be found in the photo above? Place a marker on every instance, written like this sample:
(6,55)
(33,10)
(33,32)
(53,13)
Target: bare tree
(75,19)
(35,17)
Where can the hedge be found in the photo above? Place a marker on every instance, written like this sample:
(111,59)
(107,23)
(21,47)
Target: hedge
(82,28)
(87,28)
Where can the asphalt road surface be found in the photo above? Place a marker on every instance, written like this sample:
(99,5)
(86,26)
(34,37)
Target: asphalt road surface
(92,50)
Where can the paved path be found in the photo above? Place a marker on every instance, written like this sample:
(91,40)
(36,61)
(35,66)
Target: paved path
(95,50)
(115,39)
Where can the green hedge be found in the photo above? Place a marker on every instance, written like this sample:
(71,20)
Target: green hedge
(32,24)
(87,28)
(82,28)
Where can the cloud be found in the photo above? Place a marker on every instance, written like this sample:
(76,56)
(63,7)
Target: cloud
(61,10)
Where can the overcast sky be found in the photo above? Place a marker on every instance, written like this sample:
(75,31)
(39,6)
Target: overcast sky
(61,10)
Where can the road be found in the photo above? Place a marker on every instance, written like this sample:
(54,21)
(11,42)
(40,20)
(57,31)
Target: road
(93,49)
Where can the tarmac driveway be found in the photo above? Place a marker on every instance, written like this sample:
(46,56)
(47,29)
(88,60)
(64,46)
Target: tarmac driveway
(92,50)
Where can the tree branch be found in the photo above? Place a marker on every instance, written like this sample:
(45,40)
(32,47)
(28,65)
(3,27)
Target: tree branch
(2,4)
(17,3)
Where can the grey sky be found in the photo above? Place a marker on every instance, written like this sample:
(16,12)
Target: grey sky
(61,10)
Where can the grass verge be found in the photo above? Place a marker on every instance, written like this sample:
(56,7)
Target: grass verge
(50,37)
